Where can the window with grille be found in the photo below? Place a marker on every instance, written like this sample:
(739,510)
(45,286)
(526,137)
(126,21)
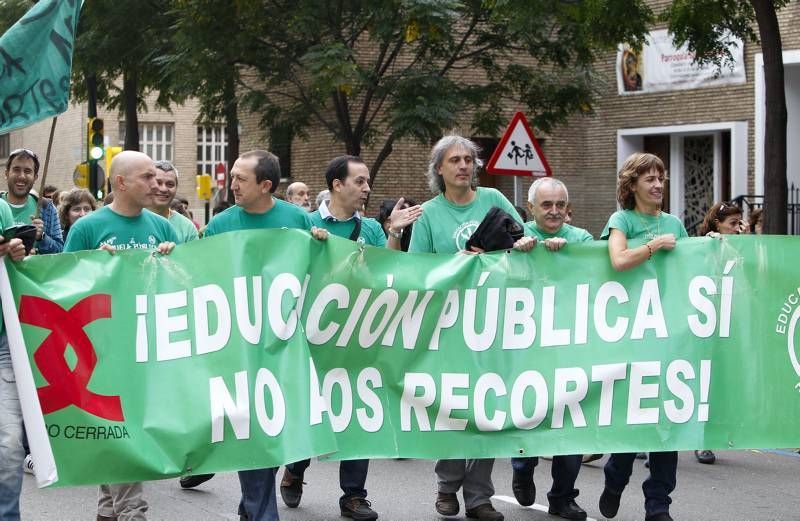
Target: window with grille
(157,140)
(212,148)
(5,144)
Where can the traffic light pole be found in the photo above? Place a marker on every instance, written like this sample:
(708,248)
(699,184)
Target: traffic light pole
(91,89)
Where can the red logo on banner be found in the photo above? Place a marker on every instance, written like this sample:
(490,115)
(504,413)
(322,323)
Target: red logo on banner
(69,386)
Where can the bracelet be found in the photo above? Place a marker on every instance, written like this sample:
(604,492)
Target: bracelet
(396,234)
(650,249)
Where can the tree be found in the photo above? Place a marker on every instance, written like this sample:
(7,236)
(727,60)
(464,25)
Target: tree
(114,58)
(202,62)
(704,25)
(12,11)
(375,71)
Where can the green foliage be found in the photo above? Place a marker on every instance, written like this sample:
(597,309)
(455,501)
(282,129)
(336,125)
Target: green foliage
(122,38)
(11,11)
(706,25)
(373,71)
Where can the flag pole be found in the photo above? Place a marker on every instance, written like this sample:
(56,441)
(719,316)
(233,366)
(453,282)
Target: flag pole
(44,168)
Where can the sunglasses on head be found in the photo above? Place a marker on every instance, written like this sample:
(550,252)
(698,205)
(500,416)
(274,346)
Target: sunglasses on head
(20,152)
(26,151)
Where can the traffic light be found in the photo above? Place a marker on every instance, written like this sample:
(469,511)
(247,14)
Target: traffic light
(95,139)
(204,187)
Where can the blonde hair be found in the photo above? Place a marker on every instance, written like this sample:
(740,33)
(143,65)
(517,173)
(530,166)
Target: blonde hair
(637,164)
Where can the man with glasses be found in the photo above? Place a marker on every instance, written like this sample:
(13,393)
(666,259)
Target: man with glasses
(548,201)
(167,187)
(22,170)
(548,204)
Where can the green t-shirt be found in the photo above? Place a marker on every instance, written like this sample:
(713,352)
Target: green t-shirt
(568,232)
(184,228)
(445,227)
(282,215)
(6,220)
(22,213)
(637,225)
(371,232)
(104,226)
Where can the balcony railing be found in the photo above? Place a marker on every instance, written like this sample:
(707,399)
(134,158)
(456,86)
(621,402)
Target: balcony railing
(748,203)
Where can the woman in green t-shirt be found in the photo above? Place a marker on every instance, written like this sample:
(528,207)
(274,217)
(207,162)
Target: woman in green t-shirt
(640,193)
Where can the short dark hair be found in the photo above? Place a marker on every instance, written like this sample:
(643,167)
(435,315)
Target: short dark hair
(338,167)
(267,167)
(23,152)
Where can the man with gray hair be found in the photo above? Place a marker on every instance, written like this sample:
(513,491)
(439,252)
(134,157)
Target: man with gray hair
(447,222)
(167,188)
(548,201)
(323,197)
(297,194)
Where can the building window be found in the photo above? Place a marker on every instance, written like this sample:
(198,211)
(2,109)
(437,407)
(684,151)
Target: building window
(5,145)
(155,139)
(212,148)
(280,144)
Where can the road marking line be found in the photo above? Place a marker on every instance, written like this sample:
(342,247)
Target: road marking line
(535,506)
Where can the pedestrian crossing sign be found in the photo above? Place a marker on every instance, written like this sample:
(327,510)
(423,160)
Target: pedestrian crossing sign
(518,152)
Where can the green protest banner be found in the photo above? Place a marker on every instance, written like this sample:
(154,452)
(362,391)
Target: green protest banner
(286,347)
(35,63)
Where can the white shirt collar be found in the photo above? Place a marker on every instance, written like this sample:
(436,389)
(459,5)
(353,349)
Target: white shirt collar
(326,214)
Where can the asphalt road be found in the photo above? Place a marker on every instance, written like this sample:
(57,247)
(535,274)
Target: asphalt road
(742,485)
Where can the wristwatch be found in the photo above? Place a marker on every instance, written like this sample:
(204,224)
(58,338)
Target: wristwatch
(396,234)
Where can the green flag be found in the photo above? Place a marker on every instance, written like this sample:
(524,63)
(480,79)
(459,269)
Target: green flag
(35,63)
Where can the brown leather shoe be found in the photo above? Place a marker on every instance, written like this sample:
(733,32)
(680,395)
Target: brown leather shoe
(447,503)
(484,512)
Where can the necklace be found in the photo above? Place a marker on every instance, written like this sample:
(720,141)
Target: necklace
(648,232)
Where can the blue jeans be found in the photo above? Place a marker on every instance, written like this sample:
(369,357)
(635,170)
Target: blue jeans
(258,495)
(352,476)
(11,451)
(656,488)
(564,471)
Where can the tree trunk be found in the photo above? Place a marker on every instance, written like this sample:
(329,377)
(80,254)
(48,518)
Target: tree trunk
(91,94)
(231,131)
(775,185)
(129,91)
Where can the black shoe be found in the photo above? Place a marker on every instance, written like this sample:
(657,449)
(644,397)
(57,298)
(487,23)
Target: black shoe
(567,509)
(661,516)
(193,481)
(523,487)
(484,512)
(291,489)
(447,503)
(356,507)
(609,503)
(705,456)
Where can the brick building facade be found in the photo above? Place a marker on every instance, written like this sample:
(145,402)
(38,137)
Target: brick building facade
(171,135)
